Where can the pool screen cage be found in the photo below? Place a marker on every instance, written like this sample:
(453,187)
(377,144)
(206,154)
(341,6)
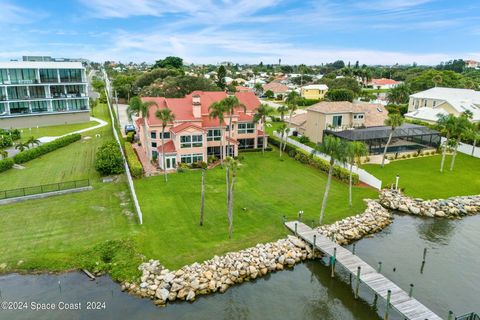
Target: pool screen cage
(406,138)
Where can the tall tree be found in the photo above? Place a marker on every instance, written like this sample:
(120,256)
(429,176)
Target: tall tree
(446,125)
(400,94)
(282,109)
(232,166)
(336,149)
(292,104)
(394,121)
(140,109)
(355,150)
(261,115)
(217,111)
(221,74)
(461,130)
(166,116)
(281,129)
(474,134)
(169,62)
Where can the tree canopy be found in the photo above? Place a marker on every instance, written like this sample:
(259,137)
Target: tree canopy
(169,62)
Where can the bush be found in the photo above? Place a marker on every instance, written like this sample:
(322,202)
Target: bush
(14,134)
(5,141)
(109,159)
(6,164)
(304,139)
(254,150)
(130,137)
(211,159)
(301,156)
(340,95)
(31,154)
(134,164)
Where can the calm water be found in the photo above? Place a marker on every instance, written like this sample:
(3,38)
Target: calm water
(449,281)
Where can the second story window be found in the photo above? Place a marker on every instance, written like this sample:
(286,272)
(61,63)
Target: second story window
(153,134)
(166,135)
(192,141)
(214,135)
(246,127)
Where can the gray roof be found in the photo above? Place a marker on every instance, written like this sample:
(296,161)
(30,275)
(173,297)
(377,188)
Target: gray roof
(382,132)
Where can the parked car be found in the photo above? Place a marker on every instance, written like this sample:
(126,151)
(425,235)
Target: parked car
(130,128)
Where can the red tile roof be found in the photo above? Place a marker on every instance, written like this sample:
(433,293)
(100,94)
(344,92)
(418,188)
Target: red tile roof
(244,117)
(208,122)
(232,140)
(384,81)
(184,126)
(182,107)
(169,147)
(276,87)
(243,89)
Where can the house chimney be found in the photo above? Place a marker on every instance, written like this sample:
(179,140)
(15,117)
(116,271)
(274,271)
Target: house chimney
(196,106)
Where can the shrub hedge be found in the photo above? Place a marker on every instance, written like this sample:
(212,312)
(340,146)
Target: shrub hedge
(254,150)
(6,164)
(109,159)
(31,154)
(134,164)
(306,158)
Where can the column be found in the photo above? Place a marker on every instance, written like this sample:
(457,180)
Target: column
(58,75)
(37,75)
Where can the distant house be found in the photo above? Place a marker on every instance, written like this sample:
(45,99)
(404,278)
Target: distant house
(243,89)
(340,115)
(314,91)
(426,105)
(384,83)
(193,136)
(277,88)
(472,64)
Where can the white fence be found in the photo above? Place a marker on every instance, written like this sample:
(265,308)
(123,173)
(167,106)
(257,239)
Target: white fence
(108,91)
(467,149)
(363,175)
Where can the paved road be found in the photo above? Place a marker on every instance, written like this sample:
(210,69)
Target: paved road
(123,117)
(92,94)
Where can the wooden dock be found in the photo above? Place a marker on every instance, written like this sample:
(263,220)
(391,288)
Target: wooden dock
(407,306)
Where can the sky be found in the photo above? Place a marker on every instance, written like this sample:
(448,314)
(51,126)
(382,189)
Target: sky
(243,31)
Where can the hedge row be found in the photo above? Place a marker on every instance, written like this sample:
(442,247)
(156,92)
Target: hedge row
(6,164)
(338,172)
(133,163)
(254,150)
(31,154)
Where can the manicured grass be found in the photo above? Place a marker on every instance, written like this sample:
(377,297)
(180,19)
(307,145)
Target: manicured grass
(55,131)
(421,177)
(266,187)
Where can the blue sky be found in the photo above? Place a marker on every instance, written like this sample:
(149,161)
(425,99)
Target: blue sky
(243,31)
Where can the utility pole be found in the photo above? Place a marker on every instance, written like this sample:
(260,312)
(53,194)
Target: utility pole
(116,105)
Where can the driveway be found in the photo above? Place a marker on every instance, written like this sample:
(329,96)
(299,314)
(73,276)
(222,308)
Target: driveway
(123,117)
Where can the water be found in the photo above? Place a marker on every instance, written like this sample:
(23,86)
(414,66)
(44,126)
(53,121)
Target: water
(449,281)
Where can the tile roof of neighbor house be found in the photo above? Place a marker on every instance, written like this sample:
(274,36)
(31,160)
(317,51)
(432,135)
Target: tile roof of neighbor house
(384,81)
(426,113)
(182,107)
(275,87)
(242,89)
(169,147)
(375,114)
(298,119)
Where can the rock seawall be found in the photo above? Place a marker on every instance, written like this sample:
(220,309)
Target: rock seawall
(372,220)
(217,274)
(454,207)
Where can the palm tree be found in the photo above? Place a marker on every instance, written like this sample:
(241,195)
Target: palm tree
(474,134)
(202,201)
(446,125)
(216,111)
(355,150)
(3,153)
(230,104)
(261,115)
(437,79)
(336,149)
(400,94)
(394,121)
(140,109)
(282,109)
(292,104)
(166,116)
(281,129)
(232,166)
(461,130)
(32,141)
(21,146)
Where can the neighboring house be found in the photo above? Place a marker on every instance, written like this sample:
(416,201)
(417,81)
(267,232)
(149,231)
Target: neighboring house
(384,83)
(42,93)
(341,115)
(277,88)
(194,136)
(298,121)
(314,91)
(426,105)
(243,89)
(472,64)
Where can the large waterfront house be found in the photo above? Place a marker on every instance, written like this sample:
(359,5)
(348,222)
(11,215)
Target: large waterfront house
(42,93)
(194,135)
(427,105)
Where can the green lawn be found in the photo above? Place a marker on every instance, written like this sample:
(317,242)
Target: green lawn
(267,187)
(421,177)
(55,131)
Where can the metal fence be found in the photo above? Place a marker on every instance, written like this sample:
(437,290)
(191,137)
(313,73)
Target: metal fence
(44,188)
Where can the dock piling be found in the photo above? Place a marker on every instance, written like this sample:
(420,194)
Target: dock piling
(387,307)
(410,292)
(357,285)
(334,257)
